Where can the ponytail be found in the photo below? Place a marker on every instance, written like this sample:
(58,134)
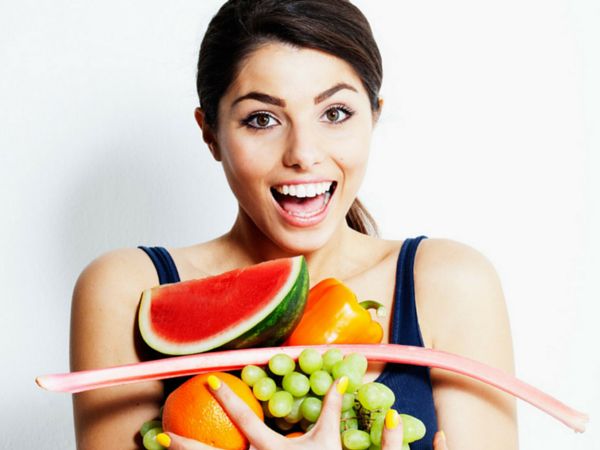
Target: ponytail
(359,219)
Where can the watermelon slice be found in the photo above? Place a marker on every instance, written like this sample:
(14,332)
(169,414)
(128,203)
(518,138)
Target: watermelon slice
(254,306)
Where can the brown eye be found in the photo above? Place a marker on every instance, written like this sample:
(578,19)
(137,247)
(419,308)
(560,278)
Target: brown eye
(262,120)
(337,114)
(333,115)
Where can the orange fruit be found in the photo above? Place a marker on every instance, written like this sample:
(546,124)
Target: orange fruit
(192,411)
(295,434)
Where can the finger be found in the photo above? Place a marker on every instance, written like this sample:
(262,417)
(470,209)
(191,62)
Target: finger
(247,421)
(173,441)
(393,432)
(332,409)
(439,441)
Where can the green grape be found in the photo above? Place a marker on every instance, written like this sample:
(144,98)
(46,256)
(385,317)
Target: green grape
(405,446)
(311,408)
(310,361)
(310,427)
(388,396)
(348,420)
(283,424)
(281,364)
(358,361)
(296,383)
(264,388)
(149,425)
(280,404)
(330,357)
(374,447)
(377,430)
(412,427)
(150,439)
(356,440)
(375,396)
(251,374)
(320,381)
(295,414)
(342,368)
(347,401)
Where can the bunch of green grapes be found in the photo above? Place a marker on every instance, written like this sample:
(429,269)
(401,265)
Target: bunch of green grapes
(292,397)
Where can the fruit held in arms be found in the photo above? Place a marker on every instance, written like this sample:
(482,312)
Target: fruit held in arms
(192,411)
(255,306)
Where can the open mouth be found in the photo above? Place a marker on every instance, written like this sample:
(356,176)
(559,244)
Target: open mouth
(304,201)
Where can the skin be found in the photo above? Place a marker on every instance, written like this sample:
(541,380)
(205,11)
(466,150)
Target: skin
(459,298)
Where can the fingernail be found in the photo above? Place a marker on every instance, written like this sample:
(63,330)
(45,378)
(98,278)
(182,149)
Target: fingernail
(213,382)
(392,419)
(163,439)
(442,435)
(342,385)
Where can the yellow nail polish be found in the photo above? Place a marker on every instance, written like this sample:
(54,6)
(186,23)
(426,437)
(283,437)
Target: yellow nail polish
(163,439)
(392,419)
(443,435)
(213,382)
(342,385)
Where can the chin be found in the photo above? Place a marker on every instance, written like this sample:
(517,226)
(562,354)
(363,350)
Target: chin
(303,242)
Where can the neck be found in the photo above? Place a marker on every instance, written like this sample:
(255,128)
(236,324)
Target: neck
(329,260)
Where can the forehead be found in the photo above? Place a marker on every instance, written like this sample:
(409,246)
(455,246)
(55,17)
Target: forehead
(291,72)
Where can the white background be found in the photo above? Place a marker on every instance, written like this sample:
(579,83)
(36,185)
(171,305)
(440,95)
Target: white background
(490,136)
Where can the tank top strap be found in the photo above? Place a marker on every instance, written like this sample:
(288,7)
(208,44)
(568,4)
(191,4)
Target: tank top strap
(410,384)
(405,323)
(164,264)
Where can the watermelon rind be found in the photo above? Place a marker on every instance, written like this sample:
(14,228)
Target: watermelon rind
(269,327)
(276,327)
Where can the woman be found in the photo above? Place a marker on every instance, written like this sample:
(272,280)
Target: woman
(289,95)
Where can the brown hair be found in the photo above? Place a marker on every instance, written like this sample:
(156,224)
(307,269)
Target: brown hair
(336,27)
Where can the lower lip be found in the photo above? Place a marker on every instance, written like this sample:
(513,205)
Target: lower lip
(303,222)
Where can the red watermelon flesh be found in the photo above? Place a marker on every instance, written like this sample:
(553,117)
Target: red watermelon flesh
(199,315)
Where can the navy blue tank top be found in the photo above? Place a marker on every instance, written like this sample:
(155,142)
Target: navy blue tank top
(411,384)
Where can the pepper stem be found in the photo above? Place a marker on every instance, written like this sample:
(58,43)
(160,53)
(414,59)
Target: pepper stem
(373,304)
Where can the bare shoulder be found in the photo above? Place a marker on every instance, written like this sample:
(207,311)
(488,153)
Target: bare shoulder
(446,257)
(459,295)
(115,278)
(128,264)
(104,306)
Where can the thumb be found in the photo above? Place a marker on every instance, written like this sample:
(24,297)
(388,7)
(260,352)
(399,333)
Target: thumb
(173,441)
(332,409)
(393,431)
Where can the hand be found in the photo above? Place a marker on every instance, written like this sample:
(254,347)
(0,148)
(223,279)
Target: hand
(324,435)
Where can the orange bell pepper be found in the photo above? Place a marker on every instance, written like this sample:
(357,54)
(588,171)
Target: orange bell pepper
(333,315)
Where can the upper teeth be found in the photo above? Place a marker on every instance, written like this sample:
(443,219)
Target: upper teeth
(304,190)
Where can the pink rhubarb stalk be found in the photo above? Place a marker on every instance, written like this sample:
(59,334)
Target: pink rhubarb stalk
(236,359)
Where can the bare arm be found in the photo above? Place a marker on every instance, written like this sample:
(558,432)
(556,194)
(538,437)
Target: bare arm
(467,314)
(103,324)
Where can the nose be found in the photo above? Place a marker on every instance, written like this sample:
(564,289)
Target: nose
(302,148)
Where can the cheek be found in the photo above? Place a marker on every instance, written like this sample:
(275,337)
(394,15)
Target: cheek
(353,154)
(244,163)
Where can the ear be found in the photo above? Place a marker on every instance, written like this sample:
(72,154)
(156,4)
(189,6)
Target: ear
(208,134)
(377,114)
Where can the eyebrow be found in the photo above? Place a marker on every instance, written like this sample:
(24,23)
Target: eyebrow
(266,98)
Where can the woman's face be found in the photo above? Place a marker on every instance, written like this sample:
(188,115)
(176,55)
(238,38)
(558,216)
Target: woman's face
(293,136)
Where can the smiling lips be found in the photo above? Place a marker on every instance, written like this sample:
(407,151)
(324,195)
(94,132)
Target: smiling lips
(306,203)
